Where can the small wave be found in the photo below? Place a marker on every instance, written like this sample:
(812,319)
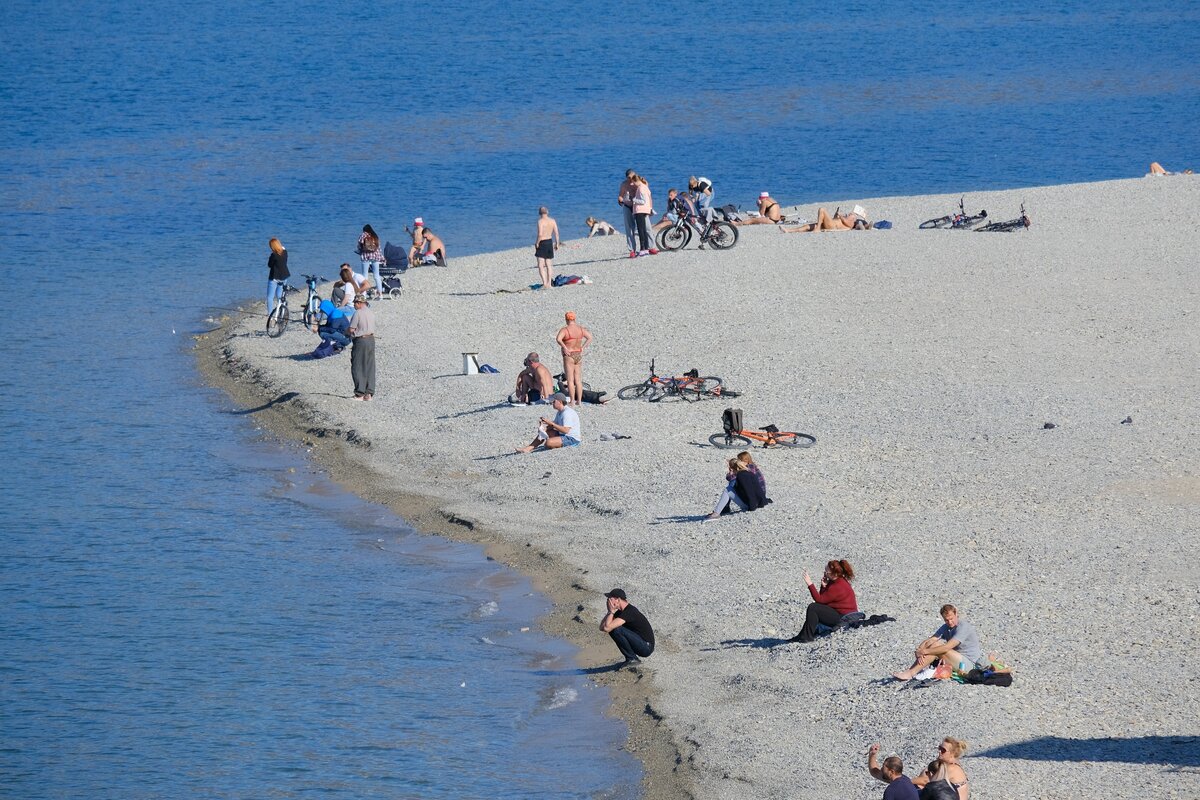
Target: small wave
(487,609)
(486,640)
(562,698)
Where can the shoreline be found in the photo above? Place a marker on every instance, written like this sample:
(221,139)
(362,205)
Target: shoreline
(925,362)
(665,773)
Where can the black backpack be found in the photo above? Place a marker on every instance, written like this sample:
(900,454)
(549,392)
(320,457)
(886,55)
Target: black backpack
(731,419)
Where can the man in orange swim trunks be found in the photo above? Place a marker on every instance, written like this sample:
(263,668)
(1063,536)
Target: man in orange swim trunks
(572,338)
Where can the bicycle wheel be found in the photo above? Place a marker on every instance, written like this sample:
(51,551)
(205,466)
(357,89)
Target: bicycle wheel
(707,386)
(723,236)
(312,312)
(729,441)
(929,224)
(277,322)
(790,439)
(637,391)
(674,238)
(395,292)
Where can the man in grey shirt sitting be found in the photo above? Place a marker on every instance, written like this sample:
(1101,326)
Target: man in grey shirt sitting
(955,643)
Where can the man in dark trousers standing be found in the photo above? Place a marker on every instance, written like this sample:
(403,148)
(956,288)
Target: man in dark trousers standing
(628,627)
(362,356)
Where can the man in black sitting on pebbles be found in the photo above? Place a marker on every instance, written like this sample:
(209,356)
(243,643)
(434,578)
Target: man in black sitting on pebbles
(628,627)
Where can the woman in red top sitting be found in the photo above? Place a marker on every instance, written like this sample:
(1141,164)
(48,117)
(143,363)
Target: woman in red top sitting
(834,600)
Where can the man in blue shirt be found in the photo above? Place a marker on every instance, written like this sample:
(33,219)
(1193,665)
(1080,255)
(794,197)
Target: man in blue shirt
(335,326)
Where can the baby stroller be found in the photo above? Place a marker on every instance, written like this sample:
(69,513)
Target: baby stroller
(395,262)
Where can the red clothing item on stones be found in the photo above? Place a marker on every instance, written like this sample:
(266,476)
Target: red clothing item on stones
(838,595)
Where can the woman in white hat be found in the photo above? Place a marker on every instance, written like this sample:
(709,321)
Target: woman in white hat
(768,212)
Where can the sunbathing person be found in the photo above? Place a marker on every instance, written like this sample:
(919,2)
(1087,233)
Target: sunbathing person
(1157,169)
(535,384)
(947,769)
(768,212)
(854,221)
(834,600)
(598,227)
(743,490)
(433,249)
(955,643)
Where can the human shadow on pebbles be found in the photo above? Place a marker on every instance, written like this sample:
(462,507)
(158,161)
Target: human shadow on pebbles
(283,398)
(765,643)
(1181,751)
(480,410)
(679,518)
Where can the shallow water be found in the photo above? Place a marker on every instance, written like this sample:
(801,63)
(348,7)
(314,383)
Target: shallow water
(184,614)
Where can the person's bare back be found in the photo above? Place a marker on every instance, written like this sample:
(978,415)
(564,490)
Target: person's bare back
(547,228)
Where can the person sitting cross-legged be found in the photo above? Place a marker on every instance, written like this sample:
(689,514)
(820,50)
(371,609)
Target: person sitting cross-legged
(562,431)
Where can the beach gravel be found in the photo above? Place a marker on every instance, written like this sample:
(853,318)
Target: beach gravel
(926,363)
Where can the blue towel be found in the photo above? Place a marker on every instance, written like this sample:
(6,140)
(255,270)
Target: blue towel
(882,225)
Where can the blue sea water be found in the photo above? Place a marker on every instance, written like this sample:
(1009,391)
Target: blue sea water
(186,616)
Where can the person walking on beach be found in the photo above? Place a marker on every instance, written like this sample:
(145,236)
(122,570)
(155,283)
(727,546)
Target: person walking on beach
(891,773)
(277,273)
(628,627)
(571,339)
(362,356)
(372,257)
(545,245)
(955,643)
(562,431)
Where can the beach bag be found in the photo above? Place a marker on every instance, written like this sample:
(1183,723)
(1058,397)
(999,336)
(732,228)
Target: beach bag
(988,677)
(731,419)
(882,225)
(730,212)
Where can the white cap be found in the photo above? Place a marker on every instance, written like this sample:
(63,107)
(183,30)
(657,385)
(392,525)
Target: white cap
(418,221)
(761,195)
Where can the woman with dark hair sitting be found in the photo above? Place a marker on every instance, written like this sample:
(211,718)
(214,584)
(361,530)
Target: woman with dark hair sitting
(834,600)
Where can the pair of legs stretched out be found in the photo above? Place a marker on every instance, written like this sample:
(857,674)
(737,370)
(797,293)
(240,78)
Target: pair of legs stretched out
(825,222)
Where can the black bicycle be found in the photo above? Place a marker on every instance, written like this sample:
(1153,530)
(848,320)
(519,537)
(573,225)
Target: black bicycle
(720,234)
(955,222)
(277,320)
(1020,223)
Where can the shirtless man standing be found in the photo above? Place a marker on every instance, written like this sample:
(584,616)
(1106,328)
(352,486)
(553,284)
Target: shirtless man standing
(572,338)
(545,245)
(768,211)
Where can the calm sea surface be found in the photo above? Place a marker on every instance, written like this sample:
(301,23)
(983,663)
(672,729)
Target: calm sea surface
(189,609)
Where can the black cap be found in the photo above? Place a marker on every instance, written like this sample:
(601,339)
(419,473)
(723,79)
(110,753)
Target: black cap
(617,593)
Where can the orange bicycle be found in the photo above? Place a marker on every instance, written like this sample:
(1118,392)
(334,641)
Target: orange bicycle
(691,386)
(735,437)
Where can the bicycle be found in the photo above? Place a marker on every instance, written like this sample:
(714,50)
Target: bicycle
(277,320)
(1017,224)
(720,234)
(955,222)
(769,436)
(690,386)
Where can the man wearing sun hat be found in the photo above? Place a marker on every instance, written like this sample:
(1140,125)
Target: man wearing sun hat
(562,431)
(362,355)
(418,237)
(628,627)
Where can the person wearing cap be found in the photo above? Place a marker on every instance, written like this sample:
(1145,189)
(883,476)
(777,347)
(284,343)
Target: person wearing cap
(768,212)
(418,238)
(572,338)
(562,431)
(854,221)
(333,330)
(628,627)
(535,384)
(545,245)
(362,357)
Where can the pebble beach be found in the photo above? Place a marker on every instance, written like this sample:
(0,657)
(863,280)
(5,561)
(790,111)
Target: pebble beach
(927,364)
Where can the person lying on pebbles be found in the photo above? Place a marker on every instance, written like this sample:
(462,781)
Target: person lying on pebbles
(854,221)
